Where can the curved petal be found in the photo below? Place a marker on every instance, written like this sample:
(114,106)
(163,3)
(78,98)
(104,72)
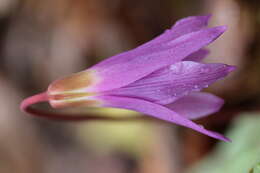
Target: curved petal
(156,111)
(121,71)
(197,56)
(172,82)
(196,105)
(181,27)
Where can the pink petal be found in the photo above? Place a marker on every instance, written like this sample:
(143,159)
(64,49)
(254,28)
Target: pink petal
(128,67)
(181,27)
(196,105)
(172,82)
(156,111)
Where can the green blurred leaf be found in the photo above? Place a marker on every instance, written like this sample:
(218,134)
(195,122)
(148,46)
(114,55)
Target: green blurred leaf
(256,169)
(239,156)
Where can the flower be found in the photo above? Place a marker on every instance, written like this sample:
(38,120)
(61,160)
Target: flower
(162,78)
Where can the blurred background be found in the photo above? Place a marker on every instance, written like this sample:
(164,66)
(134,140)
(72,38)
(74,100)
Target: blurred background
(44,40)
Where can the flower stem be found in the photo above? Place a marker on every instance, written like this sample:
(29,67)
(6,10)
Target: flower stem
(26,106)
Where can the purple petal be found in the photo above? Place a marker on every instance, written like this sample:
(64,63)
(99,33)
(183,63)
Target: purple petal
(181,27)
(196,105)
(156,111)
(197,56)
(196,21)
(120,71)
(172,82)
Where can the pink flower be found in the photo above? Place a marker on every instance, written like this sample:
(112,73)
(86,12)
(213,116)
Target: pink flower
(161,78)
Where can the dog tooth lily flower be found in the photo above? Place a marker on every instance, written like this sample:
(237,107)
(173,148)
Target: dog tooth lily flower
(161,78)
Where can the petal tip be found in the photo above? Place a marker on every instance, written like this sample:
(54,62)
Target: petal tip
(226,139)
(223,28)
(204,18)
(207,17)
(219,104)
(221,137)
(231,68)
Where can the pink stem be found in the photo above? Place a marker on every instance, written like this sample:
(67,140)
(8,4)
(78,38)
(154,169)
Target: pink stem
(43,97)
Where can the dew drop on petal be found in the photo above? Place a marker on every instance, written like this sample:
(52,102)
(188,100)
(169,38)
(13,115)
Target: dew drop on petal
(204,85)
(173,67)
(205,70)
(196,86)
(176,68)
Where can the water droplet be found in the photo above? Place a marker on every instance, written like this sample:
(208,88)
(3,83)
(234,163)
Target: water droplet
(176,68)
(205,70)
(196,86)
(204,85)
(201,126)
